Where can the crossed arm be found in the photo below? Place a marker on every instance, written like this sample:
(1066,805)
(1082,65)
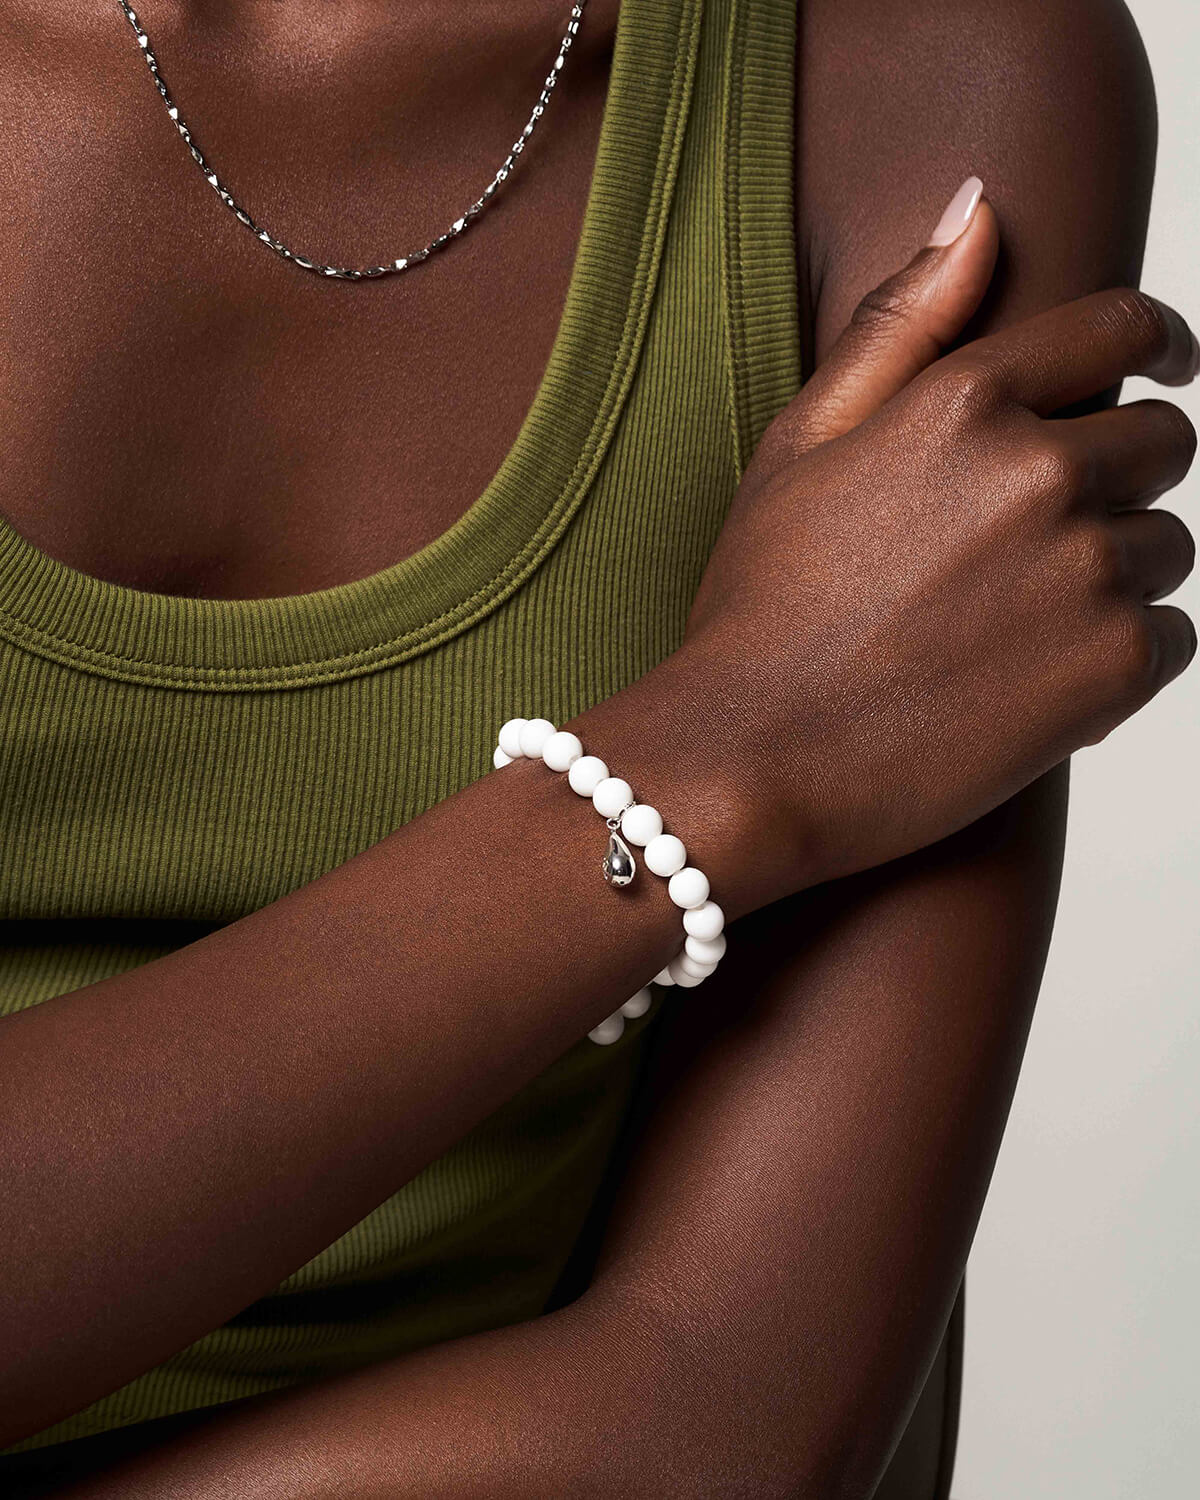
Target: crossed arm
(788,1241)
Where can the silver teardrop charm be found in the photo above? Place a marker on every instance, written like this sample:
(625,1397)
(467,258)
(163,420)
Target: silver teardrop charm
(619,868)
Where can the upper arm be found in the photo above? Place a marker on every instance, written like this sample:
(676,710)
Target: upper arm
(1051,104)
(830,1103)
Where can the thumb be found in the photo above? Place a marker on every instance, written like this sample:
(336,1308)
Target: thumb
(906,323)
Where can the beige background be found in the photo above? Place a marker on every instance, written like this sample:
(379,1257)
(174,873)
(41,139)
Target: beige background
(1083,1296)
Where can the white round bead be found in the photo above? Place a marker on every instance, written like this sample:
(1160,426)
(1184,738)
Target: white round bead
(689,887)
(562,750)
(690,966)
(665,855)
(612,797)
(534,735)
(704,922)
(681,976)
(637,1005)
(608,1030)
(587,774)
(705,952)
(500,759)
(510,738)
(663,977)
(641,824)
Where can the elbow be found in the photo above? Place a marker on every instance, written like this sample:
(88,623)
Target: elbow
(692,1409)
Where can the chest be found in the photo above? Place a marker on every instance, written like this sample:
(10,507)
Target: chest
(192,758)
(189,414)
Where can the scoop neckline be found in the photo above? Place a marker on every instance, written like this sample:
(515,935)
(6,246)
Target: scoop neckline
(411,606)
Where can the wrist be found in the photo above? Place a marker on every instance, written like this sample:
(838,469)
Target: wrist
(688,746)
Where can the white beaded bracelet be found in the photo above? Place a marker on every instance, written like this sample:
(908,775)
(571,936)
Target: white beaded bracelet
(629,822)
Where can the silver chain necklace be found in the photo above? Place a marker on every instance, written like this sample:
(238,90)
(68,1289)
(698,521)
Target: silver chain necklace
(403,262)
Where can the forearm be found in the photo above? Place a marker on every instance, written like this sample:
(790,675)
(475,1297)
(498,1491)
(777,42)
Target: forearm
(815,1173)
(178,1139)
(559,1406)
(764,1334)
(800,1222)
(428,936)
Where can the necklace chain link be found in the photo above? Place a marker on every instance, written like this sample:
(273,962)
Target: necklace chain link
(402,262)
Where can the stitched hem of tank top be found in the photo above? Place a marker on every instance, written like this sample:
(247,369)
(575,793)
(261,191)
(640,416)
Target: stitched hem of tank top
(490,595)
(759,271)
(729,278)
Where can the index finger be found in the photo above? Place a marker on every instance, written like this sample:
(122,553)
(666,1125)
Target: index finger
(1079,349)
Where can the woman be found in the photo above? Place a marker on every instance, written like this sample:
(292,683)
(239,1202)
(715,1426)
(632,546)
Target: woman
(308,1153)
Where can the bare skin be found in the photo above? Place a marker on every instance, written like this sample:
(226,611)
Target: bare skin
(796,1222)
(174,464)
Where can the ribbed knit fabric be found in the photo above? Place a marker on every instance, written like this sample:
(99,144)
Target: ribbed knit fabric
(168,765)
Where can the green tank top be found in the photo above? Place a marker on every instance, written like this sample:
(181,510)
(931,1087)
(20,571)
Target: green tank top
(168,765)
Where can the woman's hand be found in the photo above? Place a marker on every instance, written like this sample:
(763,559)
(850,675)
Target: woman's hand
(931,588)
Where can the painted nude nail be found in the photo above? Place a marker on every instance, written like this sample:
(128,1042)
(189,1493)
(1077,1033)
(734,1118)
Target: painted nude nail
(959,213)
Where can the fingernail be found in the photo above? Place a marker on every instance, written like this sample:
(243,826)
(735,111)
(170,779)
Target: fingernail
(959,213)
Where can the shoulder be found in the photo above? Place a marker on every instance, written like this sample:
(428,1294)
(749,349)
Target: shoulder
(893,84)
(906,44)
(1051,102)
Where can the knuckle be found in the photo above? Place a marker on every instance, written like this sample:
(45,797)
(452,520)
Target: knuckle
(1062,471)
(893,301)
(1182,543)
(1134,659)
(1141,320)
(965,390)
(1098,559)
(1183,431)
(1191,639)
(1187,544)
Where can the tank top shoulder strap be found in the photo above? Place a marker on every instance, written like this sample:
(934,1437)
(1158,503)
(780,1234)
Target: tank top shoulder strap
(759,242)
